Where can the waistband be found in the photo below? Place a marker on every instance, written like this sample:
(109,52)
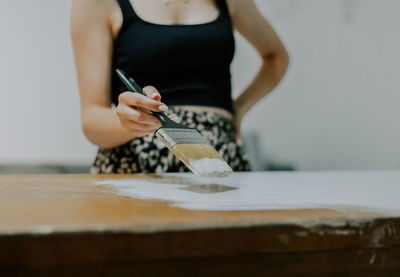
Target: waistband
(203,109)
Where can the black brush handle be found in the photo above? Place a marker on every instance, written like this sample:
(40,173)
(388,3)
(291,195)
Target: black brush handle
(132,86)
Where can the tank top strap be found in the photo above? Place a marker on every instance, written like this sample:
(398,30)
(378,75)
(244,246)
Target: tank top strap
(127,10)
(222,6)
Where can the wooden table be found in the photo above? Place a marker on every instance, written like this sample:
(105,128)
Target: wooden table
(254,224)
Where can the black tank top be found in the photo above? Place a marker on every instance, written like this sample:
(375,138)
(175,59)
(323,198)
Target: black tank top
(188,64)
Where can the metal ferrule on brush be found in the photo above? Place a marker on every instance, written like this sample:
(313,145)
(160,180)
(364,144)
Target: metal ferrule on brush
(174,136)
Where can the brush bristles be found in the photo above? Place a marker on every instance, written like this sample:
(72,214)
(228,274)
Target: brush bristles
(202,159)
(207,167)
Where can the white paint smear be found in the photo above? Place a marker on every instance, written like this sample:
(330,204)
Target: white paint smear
(374,190)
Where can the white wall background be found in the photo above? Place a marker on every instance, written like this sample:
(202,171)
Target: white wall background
(336,109)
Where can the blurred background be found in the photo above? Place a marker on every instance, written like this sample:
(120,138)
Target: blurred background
(336,109)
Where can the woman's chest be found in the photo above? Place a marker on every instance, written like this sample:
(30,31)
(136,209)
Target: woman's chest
(143,45)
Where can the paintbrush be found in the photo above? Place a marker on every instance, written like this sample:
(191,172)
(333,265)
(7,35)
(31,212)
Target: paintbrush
(187,144)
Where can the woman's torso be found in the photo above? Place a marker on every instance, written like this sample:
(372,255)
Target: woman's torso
(188,63)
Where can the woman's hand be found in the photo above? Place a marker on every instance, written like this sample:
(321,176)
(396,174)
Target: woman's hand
(134,111)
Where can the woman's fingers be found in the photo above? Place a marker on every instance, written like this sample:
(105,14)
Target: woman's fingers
(149,119)
(136,115)
(134,110)
(135,126)
(141,101)
(152,92)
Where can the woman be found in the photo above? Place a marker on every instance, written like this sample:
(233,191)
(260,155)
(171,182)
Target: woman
(183,49)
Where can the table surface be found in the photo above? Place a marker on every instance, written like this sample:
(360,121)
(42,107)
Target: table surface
(317,223)
(148,203)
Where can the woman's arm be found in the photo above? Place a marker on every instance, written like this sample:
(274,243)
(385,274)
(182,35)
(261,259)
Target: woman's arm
(249,22)
(92,43)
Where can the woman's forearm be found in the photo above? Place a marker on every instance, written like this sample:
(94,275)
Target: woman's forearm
(270,74)
(102,127)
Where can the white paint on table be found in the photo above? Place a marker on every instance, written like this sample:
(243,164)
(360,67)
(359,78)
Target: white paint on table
(370,190)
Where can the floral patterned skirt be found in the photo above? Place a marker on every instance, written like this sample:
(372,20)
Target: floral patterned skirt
(149,155)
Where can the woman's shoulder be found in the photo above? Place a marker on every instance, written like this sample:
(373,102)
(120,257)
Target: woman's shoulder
(242,10)
(94,8)
(95,11)
(92,4)
(234,5)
